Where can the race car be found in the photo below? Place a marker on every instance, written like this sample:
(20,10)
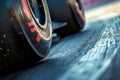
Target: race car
(26,28)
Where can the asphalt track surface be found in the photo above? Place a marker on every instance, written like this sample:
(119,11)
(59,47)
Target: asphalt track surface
(92,54)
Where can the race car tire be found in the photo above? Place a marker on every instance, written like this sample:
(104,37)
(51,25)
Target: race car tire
(25,32)
(69,11)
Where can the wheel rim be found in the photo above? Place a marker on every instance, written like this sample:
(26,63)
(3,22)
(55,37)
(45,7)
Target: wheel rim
(38,12)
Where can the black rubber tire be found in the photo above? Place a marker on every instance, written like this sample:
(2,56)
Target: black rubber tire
(23,39)
(67,11)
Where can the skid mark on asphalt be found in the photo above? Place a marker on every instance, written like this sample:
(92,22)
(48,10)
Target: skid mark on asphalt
(98,57)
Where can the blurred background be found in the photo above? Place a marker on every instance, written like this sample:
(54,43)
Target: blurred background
(90,4)
(91,54)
